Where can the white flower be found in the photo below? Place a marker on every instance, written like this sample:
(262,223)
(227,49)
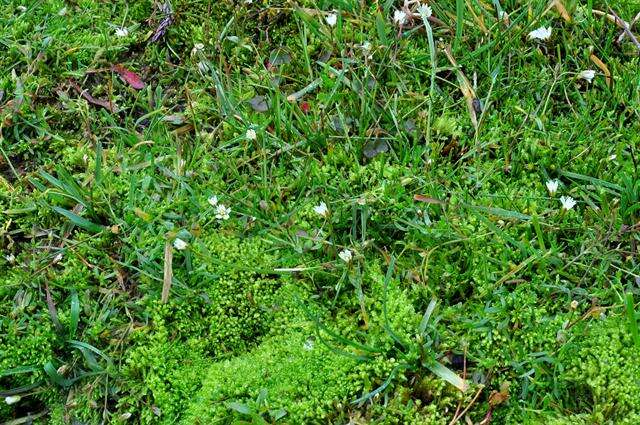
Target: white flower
(197,48)
(10,258)
(213,201)
(251,134)
(613,157)
(366,46)
(22,8)
(179,244)
(248,1)
(587,75)
(12,399)
(203,67)
(567,202)
(331,19)
(222,212)
(345,255)
(399,17)
(541,33)
(122,32)
(425,10)
(321,209)
(552,186)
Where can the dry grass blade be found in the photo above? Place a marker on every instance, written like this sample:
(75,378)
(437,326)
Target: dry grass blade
(465,87)
(603,67)
(562,10)
(168,271)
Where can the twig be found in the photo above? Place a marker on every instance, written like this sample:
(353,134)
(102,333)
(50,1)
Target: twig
(625,27)
(466,409)
(631,24)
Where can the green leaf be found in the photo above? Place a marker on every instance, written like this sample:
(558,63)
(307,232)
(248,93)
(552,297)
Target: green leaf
(84,346)
(239,407)
(382,30)
(98,169)
(594,181)
(631,315)
(448,375)
(79,221)
(18,370)
(427,316)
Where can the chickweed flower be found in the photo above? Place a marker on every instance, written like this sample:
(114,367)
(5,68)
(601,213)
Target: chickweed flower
(331,19)
(12,399)
(251,134)
(213,200)
(541,33)
(222,212)
(425,10)
(197,48)
(587,75)
(122,32)
(567,202)
(399,17)
(179,244)
(552,186)
(321,209)
(346,255)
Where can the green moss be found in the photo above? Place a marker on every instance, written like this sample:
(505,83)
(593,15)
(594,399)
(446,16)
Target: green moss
(602,369)
(311,383)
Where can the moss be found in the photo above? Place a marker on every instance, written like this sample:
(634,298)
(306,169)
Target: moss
(310,382)
(602,369)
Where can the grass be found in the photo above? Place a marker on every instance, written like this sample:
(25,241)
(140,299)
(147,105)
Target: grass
(442,283)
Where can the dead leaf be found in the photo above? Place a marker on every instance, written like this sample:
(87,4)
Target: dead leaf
(106,104)
(428,200)
(375,147)
(129,77)
(259,103)
(603,67)
(562,10)
(499,397)
(168,271)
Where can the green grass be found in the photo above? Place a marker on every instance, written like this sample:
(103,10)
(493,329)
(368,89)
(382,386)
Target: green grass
(430,145)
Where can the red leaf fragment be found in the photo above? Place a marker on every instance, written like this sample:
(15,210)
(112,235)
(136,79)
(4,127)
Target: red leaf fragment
(106,104)
(129,77)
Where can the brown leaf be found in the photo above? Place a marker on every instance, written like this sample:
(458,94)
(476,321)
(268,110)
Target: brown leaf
(428,200)
(106,104)
(129,77)
(499,397)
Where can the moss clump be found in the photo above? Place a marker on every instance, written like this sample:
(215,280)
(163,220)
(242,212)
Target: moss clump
(310,382)
(602,372)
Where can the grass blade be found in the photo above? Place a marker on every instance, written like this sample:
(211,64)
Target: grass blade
(79,221)
(631,315)
(75,314)
(448,375)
